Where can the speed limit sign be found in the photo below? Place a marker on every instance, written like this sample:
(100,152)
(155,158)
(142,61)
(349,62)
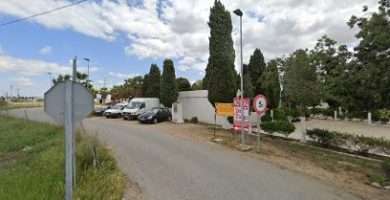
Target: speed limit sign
(260,104)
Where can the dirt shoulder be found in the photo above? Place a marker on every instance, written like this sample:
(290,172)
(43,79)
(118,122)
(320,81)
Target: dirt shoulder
(343,171)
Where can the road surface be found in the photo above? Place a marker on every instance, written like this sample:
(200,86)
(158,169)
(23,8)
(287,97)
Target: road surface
(169,168)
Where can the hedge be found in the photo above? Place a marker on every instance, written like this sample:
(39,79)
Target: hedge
(283,127)
(363,144)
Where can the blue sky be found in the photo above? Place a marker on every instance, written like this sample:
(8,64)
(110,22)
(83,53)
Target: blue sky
(123,38)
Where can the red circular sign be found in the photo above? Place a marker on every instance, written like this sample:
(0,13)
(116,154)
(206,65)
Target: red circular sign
(260,104)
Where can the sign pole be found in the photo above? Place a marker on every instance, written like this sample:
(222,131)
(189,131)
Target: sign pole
(73,131)
(68,139)
(215,119)
(60,104)
(260,106)
(258,132)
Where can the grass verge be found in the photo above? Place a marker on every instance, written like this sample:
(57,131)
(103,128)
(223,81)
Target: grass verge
(32,164)
(15,105)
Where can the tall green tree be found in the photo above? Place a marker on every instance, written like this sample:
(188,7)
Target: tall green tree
(324,59)
(248,86)
(270,83)
(256,68)
(301,84)
(338,86)
(61,78)
(168,90)
(104,92)
(197,85)
(131,86)
(154,79)
(145,85)
(220,78)
(373,55)
(183,84)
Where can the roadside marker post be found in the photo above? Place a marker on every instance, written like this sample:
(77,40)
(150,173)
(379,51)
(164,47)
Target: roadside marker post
(260,106)
(69,103)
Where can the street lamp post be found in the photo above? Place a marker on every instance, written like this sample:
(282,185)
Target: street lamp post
(51,80)
(87,59)
(239,13)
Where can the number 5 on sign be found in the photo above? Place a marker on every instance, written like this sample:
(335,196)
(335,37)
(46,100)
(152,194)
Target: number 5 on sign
(260,104)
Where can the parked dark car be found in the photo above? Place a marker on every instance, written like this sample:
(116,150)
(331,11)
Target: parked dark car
(156,114)
(99,111)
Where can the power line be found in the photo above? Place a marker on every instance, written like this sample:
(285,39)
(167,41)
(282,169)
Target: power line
(42,13)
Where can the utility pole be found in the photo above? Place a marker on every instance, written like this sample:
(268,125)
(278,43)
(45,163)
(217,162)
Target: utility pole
(239,13)
(51,79)
(87,59)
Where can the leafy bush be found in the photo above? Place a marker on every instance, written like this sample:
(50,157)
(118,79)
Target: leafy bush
(280,114)
(385,146)
(324,137)
(293,112)
(359,114)
(384,120)
(282,127)
(266,117)
(194,120)
(322,111)
(316,111)
(363,144)
(376,115)
(230,119)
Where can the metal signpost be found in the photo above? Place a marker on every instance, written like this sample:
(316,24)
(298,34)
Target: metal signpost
(260,106)
(69,103)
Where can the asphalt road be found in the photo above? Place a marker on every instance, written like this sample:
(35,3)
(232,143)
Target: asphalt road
(168,168)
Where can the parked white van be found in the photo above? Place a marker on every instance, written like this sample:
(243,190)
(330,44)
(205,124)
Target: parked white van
(137,106)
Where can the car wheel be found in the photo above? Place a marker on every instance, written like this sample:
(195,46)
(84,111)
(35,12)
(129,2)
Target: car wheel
(155,121)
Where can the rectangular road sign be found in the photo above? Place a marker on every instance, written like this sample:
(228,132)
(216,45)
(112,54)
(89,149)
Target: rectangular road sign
(224,109)
(238,114)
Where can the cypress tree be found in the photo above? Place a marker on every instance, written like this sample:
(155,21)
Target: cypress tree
(256,68)
(145,84)
(168,90)
(153,89)
(183,84)
(220,78)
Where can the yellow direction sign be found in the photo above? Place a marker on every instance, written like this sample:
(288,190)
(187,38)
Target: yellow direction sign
(224,109)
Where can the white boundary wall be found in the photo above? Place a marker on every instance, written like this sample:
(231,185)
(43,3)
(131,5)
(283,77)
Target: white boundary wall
(196,104)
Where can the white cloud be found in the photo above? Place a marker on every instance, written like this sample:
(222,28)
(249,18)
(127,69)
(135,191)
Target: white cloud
(21,81)
(123,75)
(35,67)
(180,30)
(45,50)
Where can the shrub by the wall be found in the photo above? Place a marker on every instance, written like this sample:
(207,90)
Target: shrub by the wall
(194,120)
(266,117)
(362,144)
(282,127)
(324,137)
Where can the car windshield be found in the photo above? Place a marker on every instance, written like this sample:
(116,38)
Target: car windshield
(153,110)
(134,104)
(117,106)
